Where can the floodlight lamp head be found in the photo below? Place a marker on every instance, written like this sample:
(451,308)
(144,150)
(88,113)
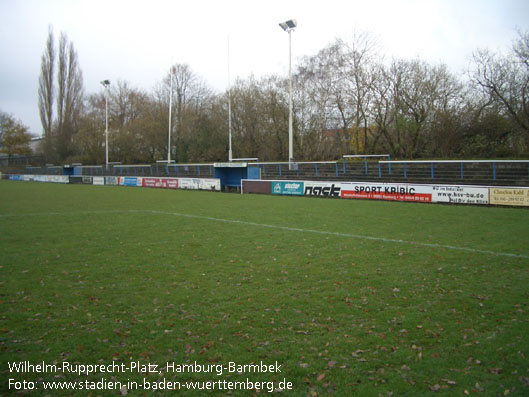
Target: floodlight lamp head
(289,25)
(105,82)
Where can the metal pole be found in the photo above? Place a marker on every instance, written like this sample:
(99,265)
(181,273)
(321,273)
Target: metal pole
(230,153)
(290,138)
(106,126)
(288,27)
(170,108)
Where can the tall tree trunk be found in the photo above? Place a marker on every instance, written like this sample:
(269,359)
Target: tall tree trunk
(46,93)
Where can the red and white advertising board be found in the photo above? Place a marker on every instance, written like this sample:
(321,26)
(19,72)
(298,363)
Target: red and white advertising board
(400,192)
(394,192)
(163,183)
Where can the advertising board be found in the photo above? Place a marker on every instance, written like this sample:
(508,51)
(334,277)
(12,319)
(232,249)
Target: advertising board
(130,181)
(163,183)
(509,196)
(57,178)
(86,180)
(322,189)
(16,177)
(210,184)
(256,186)
(98,180)
(386,191)
(111,180)
(399,192)
(230,165)
(40,178)
(460,194)
(293,188)
(199,184)
(189,183)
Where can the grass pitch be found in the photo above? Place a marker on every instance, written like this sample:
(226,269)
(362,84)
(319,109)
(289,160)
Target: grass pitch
(347,297)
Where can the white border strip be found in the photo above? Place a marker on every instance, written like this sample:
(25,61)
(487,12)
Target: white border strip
(278,227)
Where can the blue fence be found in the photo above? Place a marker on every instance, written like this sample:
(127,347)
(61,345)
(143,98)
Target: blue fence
(349,168)
(508,172)
(485,169)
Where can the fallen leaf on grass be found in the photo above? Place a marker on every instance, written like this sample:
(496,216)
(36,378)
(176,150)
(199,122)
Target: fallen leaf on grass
(358,352)
(320,377)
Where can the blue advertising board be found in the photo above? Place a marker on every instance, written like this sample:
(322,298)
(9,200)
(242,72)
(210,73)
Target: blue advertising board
(130,181)
(288,188)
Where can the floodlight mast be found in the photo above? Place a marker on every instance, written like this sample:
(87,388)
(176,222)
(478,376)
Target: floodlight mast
(288,27)
(170,108)
(230,152)
(105,84)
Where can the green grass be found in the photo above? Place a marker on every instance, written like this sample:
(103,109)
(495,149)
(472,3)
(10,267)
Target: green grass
(99,274)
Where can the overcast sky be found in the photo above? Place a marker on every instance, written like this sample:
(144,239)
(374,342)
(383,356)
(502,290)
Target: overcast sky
(137,40)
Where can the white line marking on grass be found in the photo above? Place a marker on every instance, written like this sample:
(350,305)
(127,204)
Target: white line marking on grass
(349,235)
(277,227)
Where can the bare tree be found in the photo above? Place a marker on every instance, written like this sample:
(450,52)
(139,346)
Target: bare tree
(127,112)
(505,80)
(89,141)
(46,92)
(413,105)
(191,98)
(314,102)
(69,98)
(359,58)
(60,126)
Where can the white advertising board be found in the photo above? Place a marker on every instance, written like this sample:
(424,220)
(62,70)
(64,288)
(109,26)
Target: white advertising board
(40,178)
(98,180)
(111,180)
(58,178)
(460,194)
(199,184)
(399,192)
